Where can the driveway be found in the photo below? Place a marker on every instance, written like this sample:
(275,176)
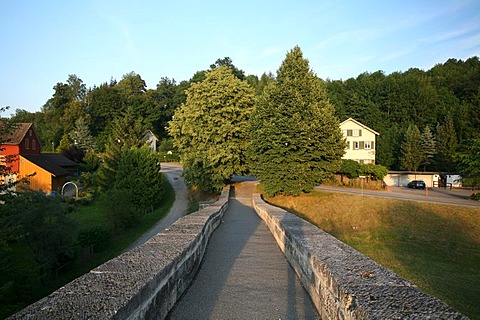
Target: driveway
(435,195)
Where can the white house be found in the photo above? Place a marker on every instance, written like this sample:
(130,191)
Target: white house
(151,139)
(360,141)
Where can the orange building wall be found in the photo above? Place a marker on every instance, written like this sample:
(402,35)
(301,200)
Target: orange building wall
(41,181)
(9,150)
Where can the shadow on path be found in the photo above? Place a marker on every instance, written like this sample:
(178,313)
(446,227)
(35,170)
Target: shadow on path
(244,274)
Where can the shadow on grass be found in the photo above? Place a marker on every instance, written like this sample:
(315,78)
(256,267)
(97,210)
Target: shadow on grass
(438,250)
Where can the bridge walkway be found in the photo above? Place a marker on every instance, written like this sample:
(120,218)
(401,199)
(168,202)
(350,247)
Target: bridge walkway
(244,274)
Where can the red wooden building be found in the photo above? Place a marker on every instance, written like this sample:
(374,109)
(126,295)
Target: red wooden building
(23,145)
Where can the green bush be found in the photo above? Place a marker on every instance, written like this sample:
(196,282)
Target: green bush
(353,169)
(95,237)
(377,172)
(475,196)
(350,169)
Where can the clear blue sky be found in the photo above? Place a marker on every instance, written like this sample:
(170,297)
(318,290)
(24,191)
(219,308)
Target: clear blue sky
(42,42)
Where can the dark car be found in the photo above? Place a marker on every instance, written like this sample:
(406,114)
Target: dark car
(416,184)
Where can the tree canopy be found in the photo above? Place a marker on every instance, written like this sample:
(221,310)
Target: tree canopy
(211,129)
(295,137)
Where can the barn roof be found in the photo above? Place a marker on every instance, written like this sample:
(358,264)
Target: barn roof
(52,162)
(18,132)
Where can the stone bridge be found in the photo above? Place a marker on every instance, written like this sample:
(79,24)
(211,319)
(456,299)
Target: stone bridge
(188,271)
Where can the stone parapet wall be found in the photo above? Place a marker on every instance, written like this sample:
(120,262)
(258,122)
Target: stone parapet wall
(143,283)
(342,282)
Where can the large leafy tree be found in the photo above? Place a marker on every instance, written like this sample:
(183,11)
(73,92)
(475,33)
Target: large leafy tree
(227,62)
(211,129)
(295,137)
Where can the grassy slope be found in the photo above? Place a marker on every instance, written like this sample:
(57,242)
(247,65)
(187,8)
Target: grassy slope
(437,247)
(92,215)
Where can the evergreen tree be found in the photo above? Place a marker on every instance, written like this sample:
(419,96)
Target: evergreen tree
(446,144)
(125,132)
(295,138)
(81,136)
(210,129)
(139,172)
(412,153)
(428,145)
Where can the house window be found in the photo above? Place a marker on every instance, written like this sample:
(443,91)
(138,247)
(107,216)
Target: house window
(357,132)
(34,145)
(30,132)
(362,161)
(356,145)
(349,132)
(27,145)
(368,145)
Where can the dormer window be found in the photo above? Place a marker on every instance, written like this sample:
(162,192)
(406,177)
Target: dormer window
(34,144)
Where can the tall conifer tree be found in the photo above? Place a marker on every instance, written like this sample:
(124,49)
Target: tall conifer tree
(295,137)
(412,152)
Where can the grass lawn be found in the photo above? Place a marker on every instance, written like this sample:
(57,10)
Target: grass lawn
(93,215)
(435,246)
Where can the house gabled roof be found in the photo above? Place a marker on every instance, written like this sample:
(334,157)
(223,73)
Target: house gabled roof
(52,162)
(149,134)
(19,130)
(361,125)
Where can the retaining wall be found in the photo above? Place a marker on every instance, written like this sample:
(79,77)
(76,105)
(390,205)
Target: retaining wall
(143,283)
(342,282)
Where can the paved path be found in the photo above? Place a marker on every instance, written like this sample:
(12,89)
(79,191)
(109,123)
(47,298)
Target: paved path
(173,172)
(436,195)
(244,274)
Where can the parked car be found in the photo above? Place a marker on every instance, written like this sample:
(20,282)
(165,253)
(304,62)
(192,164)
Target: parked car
(416,184)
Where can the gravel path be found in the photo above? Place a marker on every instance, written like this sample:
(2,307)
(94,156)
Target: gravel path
(173,172)
(244,275)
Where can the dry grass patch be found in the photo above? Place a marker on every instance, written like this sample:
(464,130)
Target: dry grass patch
(435,246)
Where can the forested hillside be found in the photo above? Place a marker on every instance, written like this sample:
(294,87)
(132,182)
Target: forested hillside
(444,100)
(442,105)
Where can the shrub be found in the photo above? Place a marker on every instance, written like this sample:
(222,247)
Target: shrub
(94,237)
(475,196)
(350,168)
(377,172)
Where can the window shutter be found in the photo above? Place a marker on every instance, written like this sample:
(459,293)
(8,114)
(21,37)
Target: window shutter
(360,132)
(349,132)
(362,145)
(373,145)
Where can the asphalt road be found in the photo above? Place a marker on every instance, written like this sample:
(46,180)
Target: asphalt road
(244,274)
(457,197)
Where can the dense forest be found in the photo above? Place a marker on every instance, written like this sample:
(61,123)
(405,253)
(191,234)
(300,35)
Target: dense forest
(440,107)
